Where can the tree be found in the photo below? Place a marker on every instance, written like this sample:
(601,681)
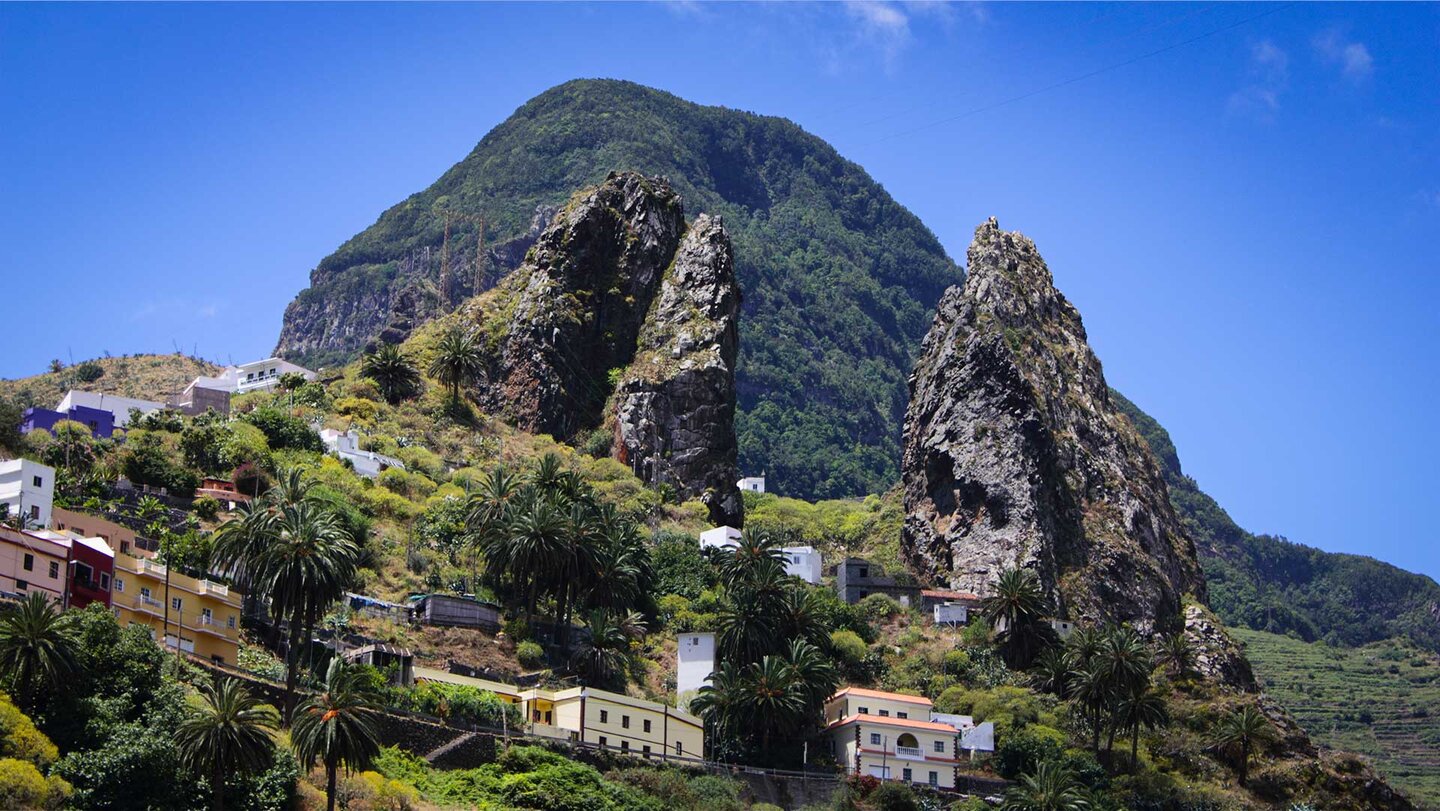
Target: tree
(1017,608)
(1241,732)
(227,731)
(459,359)
(1124,664)
(603,657)
(1146,709)
(1054,672)
(392,372)
(37,651)
(337,726)
(1176,655)
(1051,788)
(291,547)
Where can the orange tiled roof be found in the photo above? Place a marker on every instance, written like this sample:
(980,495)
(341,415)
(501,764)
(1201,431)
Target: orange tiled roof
(881,694)
(931,726)
(949,595)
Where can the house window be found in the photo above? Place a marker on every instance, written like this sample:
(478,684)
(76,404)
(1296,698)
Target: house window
(864,571)
(902,715)
(104,581)
(884,713)
(940,747)
(679,748)
(37,481)
(175,603)
(624,722)
(864,710)
(22,585)
(29,562)
(624,746)
(120,585)
(907,775)
(934,778)
(124,547)
(144,592)
(647,724)
(604,717)
(646,749)
(874,739)
(54,569)
(604,741)
(232,627)
(206,617)
(34,513)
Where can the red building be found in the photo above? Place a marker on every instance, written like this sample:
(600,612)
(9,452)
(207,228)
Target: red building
(92,568)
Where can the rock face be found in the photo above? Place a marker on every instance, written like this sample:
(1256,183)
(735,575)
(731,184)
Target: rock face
(1014,453)
(675,407)
(579,300)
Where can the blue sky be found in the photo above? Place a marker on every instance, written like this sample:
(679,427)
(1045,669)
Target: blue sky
(1243,200)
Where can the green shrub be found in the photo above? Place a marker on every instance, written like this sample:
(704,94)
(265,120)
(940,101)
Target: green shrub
(848,646)
(877,607)
(206,507)
(530,654)
(892,796)
(1020,752)
(284,430)
(422,460)
(22,786)
(356,408)
(678,566)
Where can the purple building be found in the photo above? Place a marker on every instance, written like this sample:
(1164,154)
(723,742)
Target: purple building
(101,423)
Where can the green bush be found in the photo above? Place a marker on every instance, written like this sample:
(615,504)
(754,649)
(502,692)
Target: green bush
(206,507)
(678,566)
(284,430)
(22,786)
(849,648)
(421,460)
(892,796)
(1020,752)
(877,607)
(530,654)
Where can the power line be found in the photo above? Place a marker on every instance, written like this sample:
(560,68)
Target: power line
(1082,77)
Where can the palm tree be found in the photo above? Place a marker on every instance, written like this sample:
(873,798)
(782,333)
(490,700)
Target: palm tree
(1054,672)
(603,657)
(149,509)
(1124,662)
(1017,607)
(459,359)
(226,732)
(1093,692)
(337,726)
(773,698)
(1051,788)
(396,376)
(1146,709)
(1176,655)
(535,536)
(37,651)
(1241,732)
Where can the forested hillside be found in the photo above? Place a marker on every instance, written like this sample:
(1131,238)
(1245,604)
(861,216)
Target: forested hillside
(1271,584)
(839,281)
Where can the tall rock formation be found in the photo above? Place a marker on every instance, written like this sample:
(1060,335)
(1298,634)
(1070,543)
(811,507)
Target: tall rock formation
(1015,454)
(577,303)
(675,407)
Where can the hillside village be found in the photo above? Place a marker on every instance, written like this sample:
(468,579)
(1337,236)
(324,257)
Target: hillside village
(488,617)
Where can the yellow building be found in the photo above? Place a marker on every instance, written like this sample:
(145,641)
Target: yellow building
(891,736)
(614,721)
(200,616)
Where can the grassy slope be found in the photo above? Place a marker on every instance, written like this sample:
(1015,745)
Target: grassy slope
(1330,691)
(143,376)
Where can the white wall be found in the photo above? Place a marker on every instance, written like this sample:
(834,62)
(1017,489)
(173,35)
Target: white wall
(803,562)
(755,484)
(951,614)
(720,538)
(259,375)
(119,406)
(19,490)
(696,661)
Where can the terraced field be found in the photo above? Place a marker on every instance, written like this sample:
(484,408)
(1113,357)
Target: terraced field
(1382,700)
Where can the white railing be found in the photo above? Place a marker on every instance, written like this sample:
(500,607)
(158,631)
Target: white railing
(206,619)
(150,601)
(208,587)
(910,752)
(147,565)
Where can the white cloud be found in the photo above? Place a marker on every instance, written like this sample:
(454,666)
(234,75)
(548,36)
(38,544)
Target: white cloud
(883,25)
(1353,58)
(1269,75)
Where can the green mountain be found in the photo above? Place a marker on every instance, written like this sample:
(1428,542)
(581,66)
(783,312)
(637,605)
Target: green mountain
(1270,584)
(839,281)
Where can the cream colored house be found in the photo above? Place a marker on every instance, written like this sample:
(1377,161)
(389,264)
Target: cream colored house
(614,721)
(891,736)
(200,616)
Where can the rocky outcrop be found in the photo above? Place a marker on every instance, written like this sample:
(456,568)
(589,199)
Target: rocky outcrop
(574,309)
(675,407)
(1217,657)
(1014,453)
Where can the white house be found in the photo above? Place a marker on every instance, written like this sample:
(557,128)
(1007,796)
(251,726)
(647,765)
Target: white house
(28,489)
(951,614)
(754,484)
(346,445)
(257,375)
(695,662)
(115,404)
(803,562)
(720,538)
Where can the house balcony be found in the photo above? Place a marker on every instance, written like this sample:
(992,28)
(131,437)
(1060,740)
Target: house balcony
(909,753)
(218,589)
(148,566)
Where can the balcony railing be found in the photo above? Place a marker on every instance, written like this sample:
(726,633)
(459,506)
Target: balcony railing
(206,619)
(220,589)
(910,752)
(150,601)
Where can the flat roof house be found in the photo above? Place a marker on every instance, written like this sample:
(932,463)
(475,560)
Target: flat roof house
(100,423)
(201,616)
(119,406)
(858,578)
(614,721)
(33,562)
(27,489)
